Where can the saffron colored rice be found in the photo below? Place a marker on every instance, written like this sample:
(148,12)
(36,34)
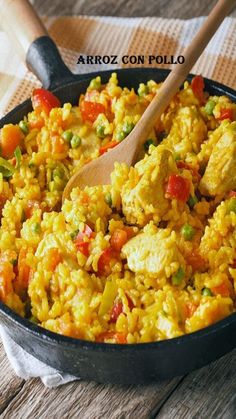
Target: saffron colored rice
(151,256)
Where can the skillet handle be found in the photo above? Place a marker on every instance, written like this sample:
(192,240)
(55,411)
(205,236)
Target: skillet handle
(25,29)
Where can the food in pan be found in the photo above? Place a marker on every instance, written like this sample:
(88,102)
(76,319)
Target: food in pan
(149,257)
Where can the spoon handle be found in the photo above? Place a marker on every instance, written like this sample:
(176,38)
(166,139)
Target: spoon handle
(180,71)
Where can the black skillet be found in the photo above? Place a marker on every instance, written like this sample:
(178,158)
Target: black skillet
(109,363)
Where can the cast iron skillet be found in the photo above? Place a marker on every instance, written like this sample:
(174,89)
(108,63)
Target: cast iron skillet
(111,363)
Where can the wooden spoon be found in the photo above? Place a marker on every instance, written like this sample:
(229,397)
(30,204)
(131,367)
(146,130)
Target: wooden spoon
(98,171)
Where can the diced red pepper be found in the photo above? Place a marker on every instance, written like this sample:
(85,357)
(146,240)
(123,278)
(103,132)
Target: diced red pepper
(104,261)
(83,247)
(178,187)
(221,289)
(80,243)
(130,302)
(226,114)
(117,309)
(106,147)
(88,231)
(91,110)
(183,165)
(198,86)
(43,100)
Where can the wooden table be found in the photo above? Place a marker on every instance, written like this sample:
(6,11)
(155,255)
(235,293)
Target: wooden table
(207,393)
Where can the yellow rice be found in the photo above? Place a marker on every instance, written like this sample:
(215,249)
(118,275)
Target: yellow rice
(92,291)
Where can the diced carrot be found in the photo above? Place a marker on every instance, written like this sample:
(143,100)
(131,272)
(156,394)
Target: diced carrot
(118,239)
(58,145)
(197,262)
(106,147)
(130,232)
(221,289)
(36,121)
(119,337)
(11,137)
(23,269)
(53,258)
(190,309)
(6,277)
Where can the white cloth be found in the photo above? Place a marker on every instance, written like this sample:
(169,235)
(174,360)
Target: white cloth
(27,366)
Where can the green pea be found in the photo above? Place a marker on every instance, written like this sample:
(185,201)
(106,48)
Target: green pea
(67,136)
(75,141)
(24,127)
(108,199)
(178,276)
(177,157)
(57,173)
(120,136)
(100,131)
(232,205)
(74,234)
(36,228)
(143,90)
(127,127)
(95,83)
(192,201)
(147,144)
(207,292)
(187,232)
(209,107)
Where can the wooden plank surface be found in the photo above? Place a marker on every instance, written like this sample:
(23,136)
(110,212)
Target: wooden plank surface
(10,384)
(206,393)
(182,9)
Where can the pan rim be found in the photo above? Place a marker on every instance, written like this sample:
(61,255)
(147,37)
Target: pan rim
(58,340)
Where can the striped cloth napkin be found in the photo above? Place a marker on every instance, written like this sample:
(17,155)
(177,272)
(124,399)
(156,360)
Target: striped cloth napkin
(82,35)
(109,36)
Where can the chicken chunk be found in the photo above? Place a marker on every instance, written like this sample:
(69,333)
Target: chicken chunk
(188,131)
(154,254)
(143,194)
(220,174)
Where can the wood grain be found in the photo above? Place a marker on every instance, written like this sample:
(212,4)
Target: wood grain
(89,400)
(182,9)
(10,384)
(208,393)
